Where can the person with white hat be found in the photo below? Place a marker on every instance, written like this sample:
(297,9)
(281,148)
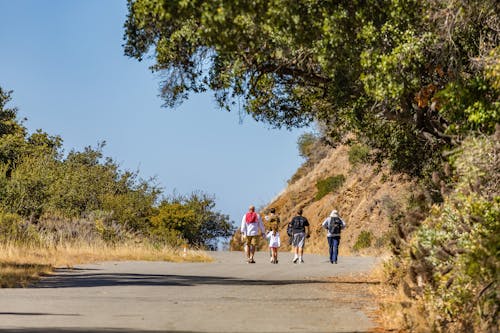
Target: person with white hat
(334,224)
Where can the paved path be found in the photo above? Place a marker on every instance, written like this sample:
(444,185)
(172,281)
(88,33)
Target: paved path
(226,296)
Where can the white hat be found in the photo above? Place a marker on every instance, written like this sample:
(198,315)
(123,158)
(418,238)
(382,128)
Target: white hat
(334,213)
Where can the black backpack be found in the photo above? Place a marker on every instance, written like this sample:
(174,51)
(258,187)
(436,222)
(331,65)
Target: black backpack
(289,230)
(335,226)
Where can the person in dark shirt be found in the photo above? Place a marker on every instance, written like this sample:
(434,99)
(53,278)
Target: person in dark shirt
(300,231)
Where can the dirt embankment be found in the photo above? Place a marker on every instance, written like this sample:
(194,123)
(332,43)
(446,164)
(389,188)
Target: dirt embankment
(366,201)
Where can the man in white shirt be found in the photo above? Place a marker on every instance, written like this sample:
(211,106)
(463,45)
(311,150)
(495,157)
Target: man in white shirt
(251,223)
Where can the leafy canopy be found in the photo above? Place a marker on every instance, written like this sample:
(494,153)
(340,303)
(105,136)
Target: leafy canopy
(396,72)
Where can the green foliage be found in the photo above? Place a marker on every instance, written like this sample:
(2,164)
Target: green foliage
(401,145)
(14,229)
(190,219)
(329,185)
(454,253)
(282,70)
(407,76)
(306,143)
(363,241)
(9,225)
(44,195)
(27,190)
(471,105)
(359,153)
(8,123)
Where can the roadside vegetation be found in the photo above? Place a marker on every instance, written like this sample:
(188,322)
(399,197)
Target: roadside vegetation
(418,82)
(21,265)
(63,209)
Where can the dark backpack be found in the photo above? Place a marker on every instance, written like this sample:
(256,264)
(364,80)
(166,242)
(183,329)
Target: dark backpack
(335,226)
(289,230)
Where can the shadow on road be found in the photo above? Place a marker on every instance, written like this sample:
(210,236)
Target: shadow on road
(80,330)
(128,279)
(36,314)
(105,330)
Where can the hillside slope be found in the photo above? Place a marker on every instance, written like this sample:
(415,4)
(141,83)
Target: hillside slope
(366,201)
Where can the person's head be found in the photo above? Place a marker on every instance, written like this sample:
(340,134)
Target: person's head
(299,211)
(251,208)
(334,213)
(273,210)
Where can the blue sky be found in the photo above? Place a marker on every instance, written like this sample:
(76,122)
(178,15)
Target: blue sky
(64,60)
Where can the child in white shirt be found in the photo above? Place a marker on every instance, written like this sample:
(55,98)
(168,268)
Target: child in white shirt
(273,237)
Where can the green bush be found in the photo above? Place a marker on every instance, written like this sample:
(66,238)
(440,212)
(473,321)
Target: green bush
(329,185)
(359,154)
(364,240)
(453,261)
(9,226)
(190,219)
(14,229)
(305,144)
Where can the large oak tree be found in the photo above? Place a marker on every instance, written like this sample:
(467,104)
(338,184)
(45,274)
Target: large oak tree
(387,70)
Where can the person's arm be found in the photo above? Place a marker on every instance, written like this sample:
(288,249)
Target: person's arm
(243,226)
(325,223)
(261,225)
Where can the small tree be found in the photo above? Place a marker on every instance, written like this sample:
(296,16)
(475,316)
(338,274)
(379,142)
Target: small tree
(305,143)
(192,219)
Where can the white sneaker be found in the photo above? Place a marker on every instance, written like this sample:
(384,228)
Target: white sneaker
(295,260)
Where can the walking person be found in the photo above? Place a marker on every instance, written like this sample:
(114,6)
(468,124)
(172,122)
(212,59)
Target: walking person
(334,224)
(273,236)
(251,224)
(300,231)
(273,221)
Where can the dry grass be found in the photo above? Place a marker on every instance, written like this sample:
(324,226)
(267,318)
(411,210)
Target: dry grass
(361,289)
(21,265)
(395,312)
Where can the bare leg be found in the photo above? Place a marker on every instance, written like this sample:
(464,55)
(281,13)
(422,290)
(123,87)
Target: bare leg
(247,251)
(301,252)
(296,256)
(252,251)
